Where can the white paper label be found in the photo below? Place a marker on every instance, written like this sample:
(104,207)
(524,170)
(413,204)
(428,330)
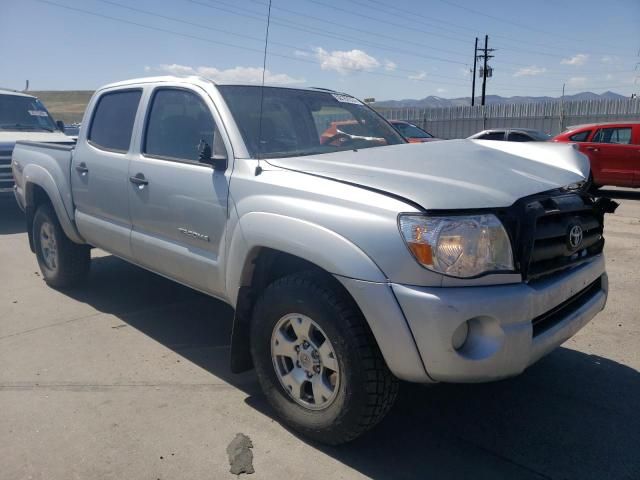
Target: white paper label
(346,99)
(38,113)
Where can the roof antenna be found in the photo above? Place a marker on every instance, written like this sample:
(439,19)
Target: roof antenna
(264,67)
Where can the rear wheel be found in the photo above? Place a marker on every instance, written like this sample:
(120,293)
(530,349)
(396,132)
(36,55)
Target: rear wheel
(317,361)
(62,262)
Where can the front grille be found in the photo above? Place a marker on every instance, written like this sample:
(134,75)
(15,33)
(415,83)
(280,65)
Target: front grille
(6,176)
(547,320)
(540,227)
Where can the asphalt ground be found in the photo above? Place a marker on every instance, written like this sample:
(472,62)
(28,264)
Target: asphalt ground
(128,378)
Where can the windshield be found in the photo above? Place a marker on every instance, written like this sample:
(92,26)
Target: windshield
(411,131)
(24,114)
(302,122)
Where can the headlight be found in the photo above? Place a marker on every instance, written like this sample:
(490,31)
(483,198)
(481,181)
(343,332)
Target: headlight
(461,246)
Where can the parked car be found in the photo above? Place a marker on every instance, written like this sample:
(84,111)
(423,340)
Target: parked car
(613,150)
(412,133)
(349,265)
(22,117)
(512,135)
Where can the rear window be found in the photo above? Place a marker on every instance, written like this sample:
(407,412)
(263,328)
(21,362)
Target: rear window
(113,119)
(492,136)
(580,136)
(620,135)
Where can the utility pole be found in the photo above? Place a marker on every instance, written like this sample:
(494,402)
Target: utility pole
(485,69)
(562,110)
(473,83)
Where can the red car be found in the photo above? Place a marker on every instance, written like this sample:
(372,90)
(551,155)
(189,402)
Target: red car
(613,150)
(411,132)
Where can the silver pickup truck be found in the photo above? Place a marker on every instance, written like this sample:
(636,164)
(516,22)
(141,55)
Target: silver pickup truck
(352,258)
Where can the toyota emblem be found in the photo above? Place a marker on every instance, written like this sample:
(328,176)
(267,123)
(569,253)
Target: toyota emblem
(575,237)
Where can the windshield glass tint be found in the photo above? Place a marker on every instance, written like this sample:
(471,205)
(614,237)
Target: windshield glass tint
(24,114)
(411,131)
(302,122)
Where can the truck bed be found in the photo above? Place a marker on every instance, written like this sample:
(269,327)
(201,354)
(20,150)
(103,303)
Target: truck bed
(42,160)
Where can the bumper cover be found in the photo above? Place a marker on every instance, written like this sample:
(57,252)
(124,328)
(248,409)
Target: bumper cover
(501,341)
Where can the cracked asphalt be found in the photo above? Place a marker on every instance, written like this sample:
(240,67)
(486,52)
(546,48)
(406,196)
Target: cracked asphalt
(128,378)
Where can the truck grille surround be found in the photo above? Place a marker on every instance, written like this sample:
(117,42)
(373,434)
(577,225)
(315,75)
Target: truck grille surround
(6,176)
(554,231)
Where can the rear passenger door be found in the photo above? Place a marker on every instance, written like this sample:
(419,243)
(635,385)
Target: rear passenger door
(612,150)
(178,202)
(100,168)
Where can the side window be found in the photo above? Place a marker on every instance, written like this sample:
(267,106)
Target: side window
(580,136)
(492,136)
(519,137)
(613,135)
(180,126)
(113,119)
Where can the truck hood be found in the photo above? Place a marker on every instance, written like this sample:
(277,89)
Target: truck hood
(14,136)
(452,174)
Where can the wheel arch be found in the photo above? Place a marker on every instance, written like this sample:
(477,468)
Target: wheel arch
(265,247)
(40,187)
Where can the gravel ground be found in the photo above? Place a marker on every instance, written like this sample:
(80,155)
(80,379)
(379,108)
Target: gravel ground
(128,378)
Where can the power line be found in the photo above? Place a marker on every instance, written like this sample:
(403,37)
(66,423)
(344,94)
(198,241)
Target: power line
(412,17)
(339,36)
(241,47)
(307,29)
(226,44)
(511,22)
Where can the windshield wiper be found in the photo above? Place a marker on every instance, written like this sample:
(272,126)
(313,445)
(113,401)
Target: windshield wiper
(21,126)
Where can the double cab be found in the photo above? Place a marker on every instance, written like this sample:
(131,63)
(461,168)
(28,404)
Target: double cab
(352,258)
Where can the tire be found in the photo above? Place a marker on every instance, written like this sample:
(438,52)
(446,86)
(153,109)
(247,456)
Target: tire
(356,387)
(63,263)
(593,188)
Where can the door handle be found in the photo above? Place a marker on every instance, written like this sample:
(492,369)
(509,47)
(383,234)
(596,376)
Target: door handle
(82,168)
(139,180)
(593,149)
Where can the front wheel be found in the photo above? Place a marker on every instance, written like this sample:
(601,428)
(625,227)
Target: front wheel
(62,263)
(317,360)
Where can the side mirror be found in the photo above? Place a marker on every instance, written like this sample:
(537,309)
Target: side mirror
(217,160)
(60,125)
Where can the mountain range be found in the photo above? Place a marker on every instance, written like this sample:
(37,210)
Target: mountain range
(439,102)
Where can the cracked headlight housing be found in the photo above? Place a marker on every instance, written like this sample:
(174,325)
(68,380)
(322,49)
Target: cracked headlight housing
(460,246)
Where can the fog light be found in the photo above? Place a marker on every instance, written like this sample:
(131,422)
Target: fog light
(460,336)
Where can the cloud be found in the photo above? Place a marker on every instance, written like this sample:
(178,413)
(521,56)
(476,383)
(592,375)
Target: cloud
(343,61)
(577,81)
(530,71)
(389,66)
(441,90)
(579,59)
(418,76)
(610,59)
(301,53)
(231,75)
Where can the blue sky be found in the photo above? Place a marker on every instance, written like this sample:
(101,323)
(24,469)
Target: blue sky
(370,48)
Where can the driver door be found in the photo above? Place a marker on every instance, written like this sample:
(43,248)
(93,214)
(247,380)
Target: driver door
(179,203)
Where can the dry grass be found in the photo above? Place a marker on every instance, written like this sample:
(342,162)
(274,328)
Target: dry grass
(67,106)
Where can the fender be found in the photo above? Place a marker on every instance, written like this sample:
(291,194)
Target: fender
(36,175)
(314,243)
